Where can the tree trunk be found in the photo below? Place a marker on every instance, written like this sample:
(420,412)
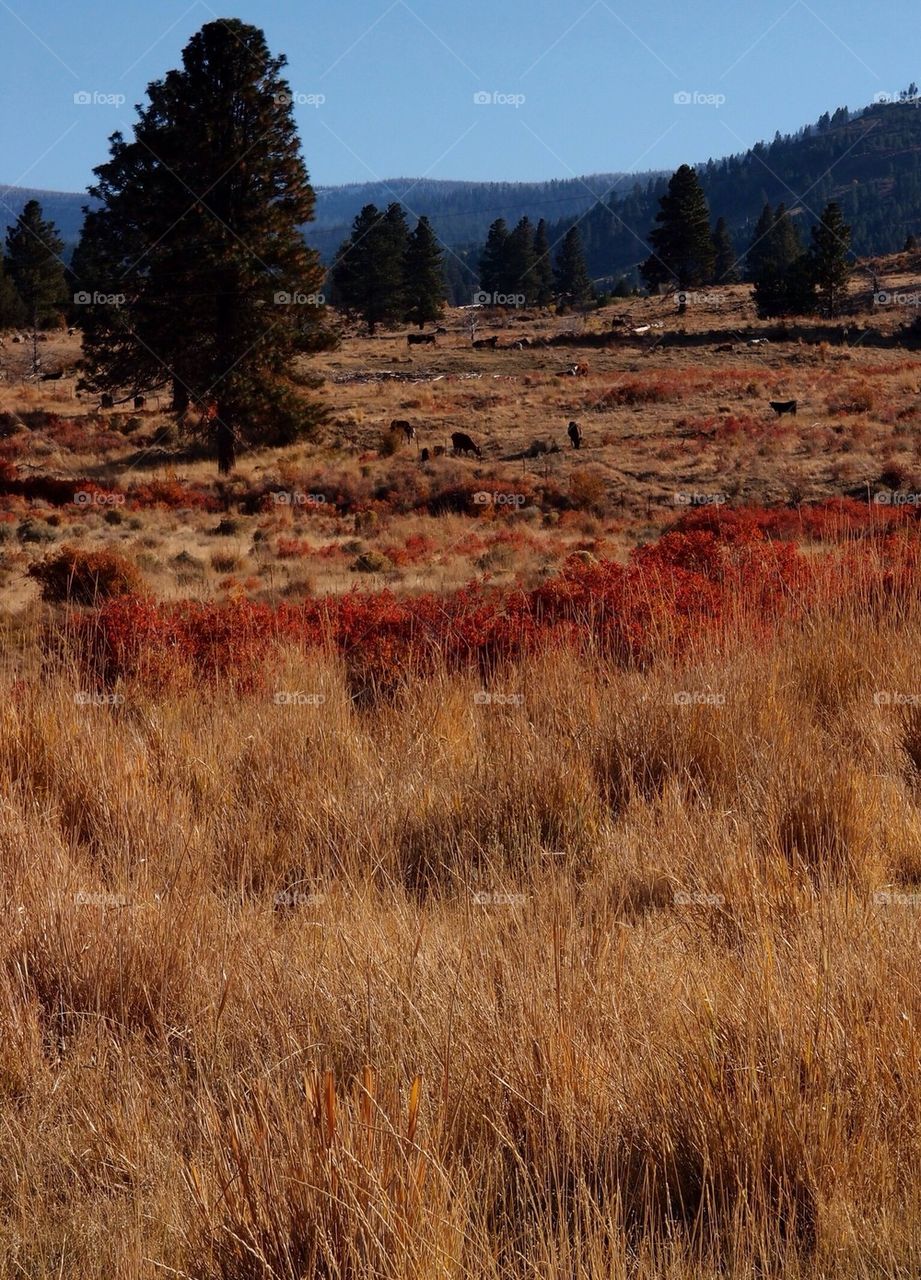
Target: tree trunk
(226,445)
(180,403)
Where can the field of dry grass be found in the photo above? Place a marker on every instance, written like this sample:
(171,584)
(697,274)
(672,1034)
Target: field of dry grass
(607,973)
(590,960)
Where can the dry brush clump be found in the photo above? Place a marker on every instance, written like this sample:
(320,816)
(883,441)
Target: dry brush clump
(554,966)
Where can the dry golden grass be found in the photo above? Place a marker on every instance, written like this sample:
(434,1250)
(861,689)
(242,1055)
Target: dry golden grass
(594,980)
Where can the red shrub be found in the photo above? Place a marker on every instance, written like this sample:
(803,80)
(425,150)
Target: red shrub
(85,577)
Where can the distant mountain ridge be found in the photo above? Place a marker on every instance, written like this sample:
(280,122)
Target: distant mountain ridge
(460,211)
(869,160)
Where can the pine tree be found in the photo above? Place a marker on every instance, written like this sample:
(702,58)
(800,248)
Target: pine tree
(760,248)
(573,284)
(545,284)
(725,263)
(830,258)
(12,311)
(493,271)
(34,268)
(519,275)
(368,274)
(682,245)
(778,268)
(423,276)
(199,237)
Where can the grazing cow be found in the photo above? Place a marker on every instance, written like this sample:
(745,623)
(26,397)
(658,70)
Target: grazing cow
(419,339)
(725,346)
(424,455)
(441,329)
(400,424)
(523,343)
(784,406)
(106,401)
(139,402)
(53,377)
(578,370)
(480,344)
(461,443)
(575,435)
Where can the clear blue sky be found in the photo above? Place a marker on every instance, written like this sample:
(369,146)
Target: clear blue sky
(598,79)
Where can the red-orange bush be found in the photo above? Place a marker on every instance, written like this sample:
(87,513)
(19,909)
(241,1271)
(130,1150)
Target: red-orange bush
(71,575)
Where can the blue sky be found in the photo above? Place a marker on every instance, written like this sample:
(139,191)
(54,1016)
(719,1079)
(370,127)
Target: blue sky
(574,88)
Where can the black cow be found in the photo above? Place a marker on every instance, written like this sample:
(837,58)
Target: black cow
(418,339)
(784,406)
(481,343)
(575,435)
(140,402)
(106,401)
(461,443)
(53,377)
(400,424)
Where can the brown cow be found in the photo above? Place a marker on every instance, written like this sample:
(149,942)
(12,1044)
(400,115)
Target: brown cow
(462,443)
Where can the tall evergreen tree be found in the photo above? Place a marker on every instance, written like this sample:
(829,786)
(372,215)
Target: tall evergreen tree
(777,267)
(830,259)
(760,248)
(544,282)
(34,266)
(199,239)
(493,271)
(423,276)
(368,274)
(573,284)
(725,263)
(12,312)
(520,276)
(682,246)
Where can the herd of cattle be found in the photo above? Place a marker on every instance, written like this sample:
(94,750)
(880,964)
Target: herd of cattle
(463,445)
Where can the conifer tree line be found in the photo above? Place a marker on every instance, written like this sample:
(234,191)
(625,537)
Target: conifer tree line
(517,267)
(787,278)
(386,274)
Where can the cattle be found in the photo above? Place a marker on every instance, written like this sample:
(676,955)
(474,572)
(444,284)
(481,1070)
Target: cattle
(725,346)
(462,443)
(400,424)
(784,406)
(575,435)
(523,343)
(53,377)
(140,402)
(439,451)
(441,329)
(419,339)
(107,402)
(423,455)
(480,344)
(575,371)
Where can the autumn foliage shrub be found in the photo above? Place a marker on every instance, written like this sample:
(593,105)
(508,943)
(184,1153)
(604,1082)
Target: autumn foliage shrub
(72,575)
